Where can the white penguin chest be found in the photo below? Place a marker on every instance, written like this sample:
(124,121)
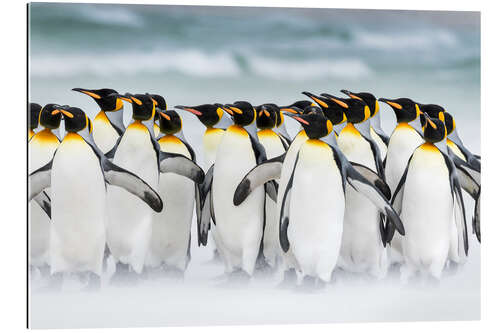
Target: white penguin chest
(104,134)
(355,147)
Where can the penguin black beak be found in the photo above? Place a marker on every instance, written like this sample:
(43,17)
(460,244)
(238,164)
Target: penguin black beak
(293,110)
(297,118)
(188,109)
(315,98)
(125,97)
(87,92)
(351,94)
(391,103)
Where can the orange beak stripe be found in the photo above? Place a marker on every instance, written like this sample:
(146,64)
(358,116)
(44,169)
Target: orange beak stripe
(91,94)
(193,111)
(64,112)
(339,102)
(235,109)
(166,116)
(154,101)
(136,101)
(355,97)
(432,123)
(320,102)
(300,120)
(289,110)
(395,105)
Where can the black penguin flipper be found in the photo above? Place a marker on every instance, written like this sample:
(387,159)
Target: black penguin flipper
(383,234)
(111,154)
(373,178)
(39,180)
(117,176)
(190,149)
(43,200)
(285,211)
(377,157)
(258,149)
(261,174)
(476,223)
(372,193)
(466,167)
(204,222)
(285,142)
(198,209)
(458,202)
(205,194)
(212,210)
(181,165)
(384,137)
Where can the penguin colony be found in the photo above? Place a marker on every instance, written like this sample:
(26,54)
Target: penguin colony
(341,194)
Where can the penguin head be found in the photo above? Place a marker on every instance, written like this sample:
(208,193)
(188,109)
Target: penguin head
(354,110)
(107,99)
(75,120)
(170,122)
(313,109)
(434,128)
(267,116)
(34,111)
(143,107)
(208,114)
(159,102)
(298,104)
(433,111)
(330,106)
(366,97)
(243,113)
(50,116)
(405,109)
(316,125)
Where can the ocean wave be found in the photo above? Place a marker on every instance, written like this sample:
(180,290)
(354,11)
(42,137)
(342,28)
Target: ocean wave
(195,63)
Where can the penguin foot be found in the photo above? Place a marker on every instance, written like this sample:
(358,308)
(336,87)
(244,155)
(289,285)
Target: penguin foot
(55,283)
(289,279)
(124,276)
(93,283)
(238,278)
(310,284)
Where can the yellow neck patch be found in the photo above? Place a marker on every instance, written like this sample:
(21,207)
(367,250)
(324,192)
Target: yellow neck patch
(102,118)
(71,136)
(170,139)
(266,133)
(46,136)
(429,147)
(350,129)
(30,133)
(235,129)
(404,126)
(137,125)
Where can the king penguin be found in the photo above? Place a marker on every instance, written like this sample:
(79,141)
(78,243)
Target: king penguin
(316,188)
(468,165)
(171,240)
(405,138)
(41,148)
(77,175)
(34,112)
(430,199)
(108,123)
(240,227)
(363,243)
(130,221)
(376,130)
(275,144)
(216,122)
(161,106)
